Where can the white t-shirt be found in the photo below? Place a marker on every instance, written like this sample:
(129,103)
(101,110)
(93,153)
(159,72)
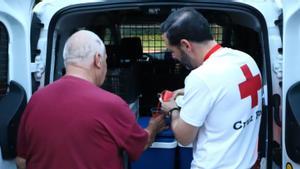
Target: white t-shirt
(223,98)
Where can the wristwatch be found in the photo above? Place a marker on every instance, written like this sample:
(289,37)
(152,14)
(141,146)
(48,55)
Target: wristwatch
(173,109)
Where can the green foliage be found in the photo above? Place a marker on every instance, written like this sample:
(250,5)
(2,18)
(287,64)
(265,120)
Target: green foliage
(37,1)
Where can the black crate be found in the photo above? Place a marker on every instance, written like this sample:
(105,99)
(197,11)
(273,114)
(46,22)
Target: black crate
(123,82)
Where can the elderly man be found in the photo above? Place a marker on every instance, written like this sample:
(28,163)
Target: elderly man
(221,104)
(74,124)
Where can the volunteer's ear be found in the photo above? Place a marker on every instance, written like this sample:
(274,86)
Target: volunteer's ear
(185,44)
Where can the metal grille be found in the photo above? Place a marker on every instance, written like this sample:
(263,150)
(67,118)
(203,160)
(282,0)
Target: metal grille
(123,82)
(150,36)
(217,32)
(3,59)
(108,39)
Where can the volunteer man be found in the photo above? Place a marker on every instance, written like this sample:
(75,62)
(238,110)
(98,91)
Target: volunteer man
(221,104)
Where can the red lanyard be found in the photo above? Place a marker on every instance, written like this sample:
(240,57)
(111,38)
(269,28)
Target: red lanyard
(211,51)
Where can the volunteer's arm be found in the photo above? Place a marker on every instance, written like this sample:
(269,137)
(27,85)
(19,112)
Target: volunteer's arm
(184,132)
(177,93)
(21,163)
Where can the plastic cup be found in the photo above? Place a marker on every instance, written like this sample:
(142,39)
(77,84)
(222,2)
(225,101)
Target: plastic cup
(155,111)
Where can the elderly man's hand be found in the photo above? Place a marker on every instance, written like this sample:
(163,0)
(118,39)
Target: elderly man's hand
(21,162)
(157,123)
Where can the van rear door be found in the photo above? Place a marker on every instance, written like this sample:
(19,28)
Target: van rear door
(15,73)
(291,84)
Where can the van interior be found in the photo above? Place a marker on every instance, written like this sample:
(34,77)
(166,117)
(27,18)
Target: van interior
(139,65)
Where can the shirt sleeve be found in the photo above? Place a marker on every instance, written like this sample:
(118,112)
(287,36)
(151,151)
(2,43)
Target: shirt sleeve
(197,101)
(127,133)
(135,142)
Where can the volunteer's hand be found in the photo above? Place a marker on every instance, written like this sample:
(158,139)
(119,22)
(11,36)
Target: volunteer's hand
(177,93)
(167,106)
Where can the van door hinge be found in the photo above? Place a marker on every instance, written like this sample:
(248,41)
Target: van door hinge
(37,68)
(265,95)
(277,66)
(38,65)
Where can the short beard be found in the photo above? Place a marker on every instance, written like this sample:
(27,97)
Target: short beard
(186,60)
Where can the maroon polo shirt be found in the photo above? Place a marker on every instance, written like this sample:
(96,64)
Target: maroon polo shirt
(73,124)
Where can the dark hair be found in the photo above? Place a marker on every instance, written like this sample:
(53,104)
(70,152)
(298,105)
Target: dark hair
(186,23)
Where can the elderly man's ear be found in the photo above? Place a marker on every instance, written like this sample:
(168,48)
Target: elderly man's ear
(97,60)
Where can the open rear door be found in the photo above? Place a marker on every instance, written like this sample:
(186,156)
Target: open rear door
(15,73)
(291,84)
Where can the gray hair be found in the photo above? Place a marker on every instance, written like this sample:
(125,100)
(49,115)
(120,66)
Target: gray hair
(81,47)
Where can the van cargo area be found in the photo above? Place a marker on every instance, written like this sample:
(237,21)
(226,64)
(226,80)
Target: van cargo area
(139,65)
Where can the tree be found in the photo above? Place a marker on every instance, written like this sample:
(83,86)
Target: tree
(37,1)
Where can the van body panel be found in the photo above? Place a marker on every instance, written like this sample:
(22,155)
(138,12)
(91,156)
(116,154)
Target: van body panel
(291,77)
(45,11)
(16,16)
(271,14)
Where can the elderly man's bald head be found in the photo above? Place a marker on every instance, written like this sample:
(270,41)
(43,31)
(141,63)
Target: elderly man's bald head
(81,47)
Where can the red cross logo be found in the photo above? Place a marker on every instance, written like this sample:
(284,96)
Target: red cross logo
(250,86)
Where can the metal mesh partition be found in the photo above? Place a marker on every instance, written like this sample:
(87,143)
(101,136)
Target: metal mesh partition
(217,32)
(150,36)
(108,39)
(3,60)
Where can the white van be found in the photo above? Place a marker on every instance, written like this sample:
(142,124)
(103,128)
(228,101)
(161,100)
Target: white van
(32,39)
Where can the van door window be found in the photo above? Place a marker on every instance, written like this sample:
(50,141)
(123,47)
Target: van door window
(3,59)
